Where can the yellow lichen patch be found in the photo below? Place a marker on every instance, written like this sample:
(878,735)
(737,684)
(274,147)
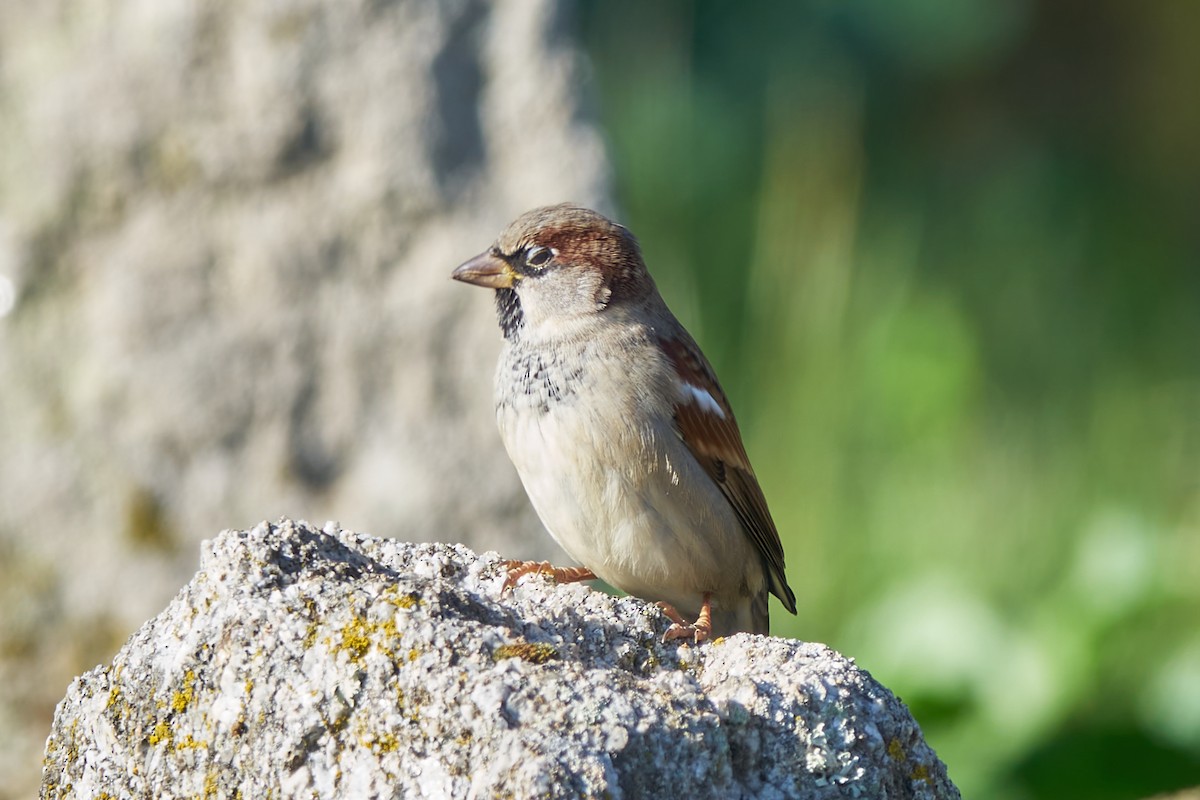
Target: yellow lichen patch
(409,600)
(388,628)
(356,639)
(896,750)
(190,743)
(361,633)
(249,685)
(184,697)
(534,653)
(464,739)
(414,654)
(921,773)
(211,786)
(338,723)
(114,697)
(381,742)
(161,733)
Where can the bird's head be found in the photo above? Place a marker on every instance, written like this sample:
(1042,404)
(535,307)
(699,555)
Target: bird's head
(556,265)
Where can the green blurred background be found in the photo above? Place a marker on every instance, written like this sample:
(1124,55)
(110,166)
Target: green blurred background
(945,255)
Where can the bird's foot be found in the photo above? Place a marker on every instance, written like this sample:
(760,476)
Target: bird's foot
(680,628)
(516,569)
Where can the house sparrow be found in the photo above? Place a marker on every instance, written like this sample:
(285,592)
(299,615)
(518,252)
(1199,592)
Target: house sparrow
(622,436)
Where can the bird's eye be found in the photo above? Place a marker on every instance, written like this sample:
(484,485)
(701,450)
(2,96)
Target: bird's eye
(538,256)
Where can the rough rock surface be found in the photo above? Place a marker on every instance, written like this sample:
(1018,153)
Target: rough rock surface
(324,663)
(226,230)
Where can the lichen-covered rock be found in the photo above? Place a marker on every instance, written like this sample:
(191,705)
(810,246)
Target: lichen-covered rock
(324,663)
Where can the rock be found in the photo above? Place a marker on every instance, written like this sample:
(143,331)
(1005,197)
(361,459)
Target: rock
(226,233)
(324,663)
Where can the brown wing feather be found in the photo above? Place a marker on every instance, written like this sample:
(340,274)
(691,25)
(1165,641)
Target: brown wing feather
(717,445)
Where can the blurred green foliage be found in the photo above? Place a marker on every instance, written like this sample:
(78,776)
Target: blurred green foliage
(945,255)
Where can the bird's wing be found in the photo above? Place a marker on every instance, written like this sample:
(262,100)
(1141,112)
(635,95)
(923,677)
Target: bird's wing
(706,424)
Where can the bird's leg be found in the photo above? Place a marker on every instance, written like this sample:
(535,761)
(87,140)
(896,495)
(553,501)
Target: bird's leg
(559,574)
(682,629)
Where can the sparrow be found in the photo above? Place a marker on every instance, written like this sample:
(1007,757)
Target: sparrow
(620,433)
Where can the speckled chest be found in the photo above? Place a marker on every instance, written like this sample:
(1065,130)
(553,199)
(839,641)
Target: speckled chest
(536,381)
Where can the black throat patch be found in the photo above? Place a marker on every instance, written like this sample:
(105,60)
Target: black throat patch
(508,309)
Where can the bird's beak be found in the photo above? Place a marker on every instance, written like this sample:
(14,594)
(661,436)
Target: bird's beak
(486,269)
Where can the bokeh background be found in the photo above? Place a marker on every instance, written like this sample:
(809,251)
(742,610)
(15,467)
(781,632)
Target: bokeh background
(944,254)
(946,258)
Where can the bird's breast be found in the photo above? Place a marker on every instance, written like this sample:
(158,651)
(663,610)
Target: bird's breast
(536,382)
(609,476)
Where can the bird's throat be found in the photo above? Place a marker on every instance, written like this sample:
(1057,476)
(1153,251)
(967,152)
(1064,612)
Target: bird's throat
(508,309)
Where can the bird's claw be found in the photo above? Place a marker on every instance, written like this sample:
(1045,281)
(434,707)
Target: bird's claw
(680,628)
(517,569)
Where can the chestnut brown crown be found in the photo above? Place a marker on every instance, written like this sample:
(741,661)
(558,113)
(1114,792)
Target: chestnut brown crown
(578,238)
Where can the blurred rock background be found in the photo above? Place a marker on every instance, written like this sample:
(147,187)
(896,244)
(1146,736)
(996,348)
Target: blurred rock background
(226,233)
(944,255)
